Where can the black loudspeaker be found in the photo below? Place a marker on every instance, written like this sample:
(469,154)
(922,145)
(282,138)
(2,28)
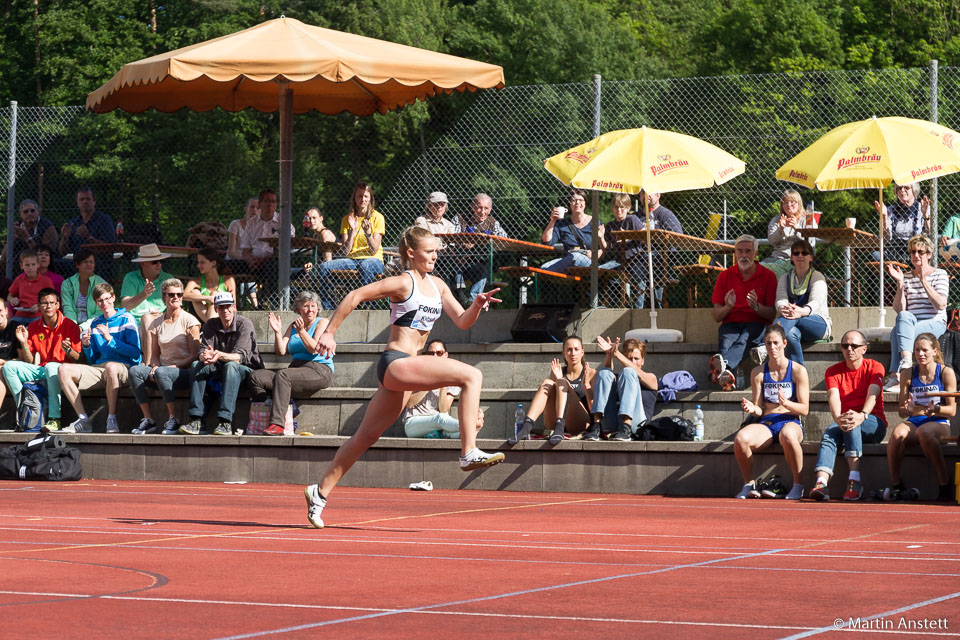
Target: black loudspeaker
(543,322)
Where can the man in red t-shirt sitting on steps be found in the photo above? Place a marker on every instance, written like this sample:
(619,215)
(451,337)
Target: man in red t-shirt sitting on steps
(743,304)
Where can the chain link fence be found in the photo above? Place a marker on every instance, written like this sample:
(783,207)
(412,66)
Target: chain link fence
(161,183)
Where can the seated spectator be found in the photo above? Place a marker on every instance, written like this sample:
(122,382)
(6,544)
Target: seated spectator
(436,207)
(90,227)
(77,290)
(259,255)
(743,300)
(781,396)
(23,293)
(361,233)
(111,346)
(139,293)
(308,371)
(214,277)
(44,346)
(660,218)
(31,231)
(173,341)
(927,419)
(627,255)
(228,353)
(474,266)
(855,399)
(43,260)
(920,303)
(902,220)
(783,230)
(427,413)
(9,345)
(313,227)
(574,233)
(802,302)
(235,232)
(564,398)
(621,403)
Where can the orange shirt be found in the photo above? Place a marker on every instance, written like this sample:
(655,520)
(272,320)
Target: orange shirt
(48,342)
(27,291)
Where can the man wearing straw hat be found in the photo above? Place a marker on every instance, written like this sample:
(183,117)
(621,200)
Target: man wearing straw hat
(139,293)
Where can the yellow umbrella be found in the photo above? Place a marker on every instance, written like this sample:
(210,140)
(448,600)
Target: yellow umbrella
(652,160)
(875,153)
(631,160)
(292,67)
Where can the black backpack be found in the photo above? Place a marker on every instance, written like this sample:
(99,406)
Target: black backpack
(43,458)
(666,428)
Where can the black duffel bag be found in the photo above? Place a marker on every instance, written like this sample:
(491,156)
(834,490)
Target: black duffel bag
(666,428)
(43,458)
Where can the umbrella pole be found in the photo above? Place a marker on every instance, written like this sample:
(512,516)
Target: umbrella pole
(653,307)
(883,213)
(286,194)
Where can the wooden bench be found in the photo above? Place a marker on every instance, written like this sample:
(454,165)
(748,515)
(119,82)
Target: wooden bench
(697,274)
(528,276)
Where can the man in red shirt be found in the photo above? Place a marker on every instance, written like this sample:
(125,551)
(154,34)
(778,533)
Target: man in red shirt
(855,398)
(743,304)
(45,344)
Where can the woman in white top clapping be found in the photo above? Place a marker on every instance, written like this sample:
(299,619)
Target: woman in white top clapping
(920,303)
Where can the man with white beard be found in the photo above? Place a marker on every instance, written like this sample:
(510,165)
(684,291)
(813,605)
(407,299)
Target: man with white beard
(743,304)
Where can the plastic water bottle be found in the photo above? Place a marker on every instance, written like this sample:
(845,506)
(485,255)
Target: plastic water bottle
(519,417)
(698,424)
(119,231)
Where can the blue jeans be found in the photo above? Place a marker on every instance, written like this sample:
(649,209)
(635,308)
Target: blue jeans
(808,328)
(570,259)
(905,330)
(836,439)
(622,399)
(367,268)
(735,338)
(231,376)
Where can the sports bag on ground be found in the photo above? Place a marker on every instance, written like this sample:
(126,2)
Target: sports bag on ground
(43,458)
(666,428)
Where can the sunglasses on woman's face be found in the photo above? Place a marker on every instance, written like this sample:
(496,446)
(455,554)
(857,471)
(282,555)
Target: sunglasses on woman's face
(438,352)
(801,253)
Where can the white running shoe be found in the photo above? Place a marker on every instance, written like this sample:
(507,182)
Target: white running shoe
(906,363)
(749,490)
(80,425)
(796,492)
(758,354)
(715,366)
(892,382)
(476,459)
(315,505)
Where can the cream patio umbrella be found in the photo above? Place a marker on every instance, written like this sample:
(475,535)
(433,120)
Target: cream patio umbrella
(872,154)
(652,160)
(286,65)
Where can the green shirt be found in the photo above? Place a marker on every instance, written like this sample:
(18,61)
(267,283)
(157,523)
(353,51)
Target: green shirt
(133,284)
(952,230)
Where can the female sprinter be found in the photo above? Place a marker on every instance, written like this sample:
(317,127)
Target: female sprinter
(781,385)
(926,418)
(564,397)
(416,301)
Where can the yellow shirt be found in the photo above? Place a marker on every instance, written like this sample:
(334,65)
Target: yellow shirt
(360,247)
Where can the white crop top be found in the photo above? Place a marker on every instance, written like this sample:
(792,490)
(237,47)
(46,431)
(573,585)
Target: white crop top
(417,311)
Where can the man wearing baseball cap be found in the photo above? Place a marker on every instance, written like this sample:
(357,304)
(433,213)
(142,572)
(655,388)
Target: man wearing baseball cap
(228,354)
(433,220)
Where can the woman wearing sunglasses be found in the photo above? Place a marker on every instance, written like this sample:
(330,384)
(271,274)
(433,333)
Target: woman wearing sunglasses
(802,301)
(173,341)
(920,303)
(428,412)
(907,217)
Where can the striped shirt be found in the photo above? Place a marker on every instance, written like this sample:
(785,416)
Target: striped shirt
(918,303)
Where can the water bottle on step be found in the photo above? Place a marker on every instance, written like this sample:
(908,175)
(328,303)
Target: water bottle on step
(698,424)
(518,419)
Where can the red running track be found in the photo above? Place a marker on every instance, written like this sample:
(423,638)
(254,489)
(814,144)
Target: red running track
(101,559)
